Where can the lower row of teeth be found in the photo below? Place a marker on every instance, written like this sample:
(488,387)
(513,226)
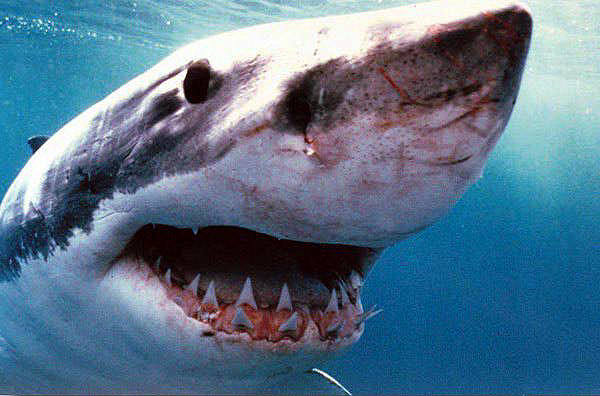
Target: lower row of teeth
(340,319)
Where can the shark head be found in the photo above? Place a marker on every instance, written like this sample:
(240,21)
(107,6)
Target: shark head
(208,226)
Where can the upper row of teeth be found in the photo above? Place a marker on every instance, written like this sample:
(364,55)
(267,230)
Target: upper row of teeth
(247,295)
(285,301)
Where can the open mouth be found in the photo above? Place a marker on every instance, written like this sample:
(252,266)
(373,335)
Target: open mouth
(237,281)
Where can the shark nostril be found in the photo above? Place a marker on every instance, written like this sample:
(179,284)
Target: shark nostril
(298,109)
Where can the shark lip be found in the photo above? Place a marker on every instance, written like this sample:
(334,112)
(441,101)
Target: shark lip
(237,281)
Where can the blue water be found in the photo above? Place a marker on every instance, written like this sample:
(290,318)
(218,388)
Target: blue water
(502,295)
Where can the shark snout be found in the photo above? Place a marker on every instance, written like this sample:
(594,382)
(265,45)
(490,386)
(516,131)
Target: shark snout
(498,38)
(486,49)
(454,87)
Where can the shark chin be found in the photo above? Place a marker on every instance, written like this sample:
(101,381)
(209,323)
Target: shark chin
(209,226)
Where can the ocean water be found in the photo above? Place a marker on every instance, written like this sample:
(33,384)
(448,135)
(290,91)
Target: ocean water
(501,295)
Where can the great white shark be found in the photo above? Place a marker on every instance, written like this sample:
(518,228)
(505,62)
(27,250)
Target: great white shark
(208,226)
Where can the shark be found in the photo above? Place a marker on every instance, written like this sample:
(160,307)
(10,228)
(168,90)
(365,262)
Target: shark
(208,227)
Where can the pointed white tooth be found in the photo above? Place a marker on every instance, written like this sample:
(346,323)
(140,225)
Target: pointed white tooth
(168,277)
(356,280)
(333,303)
(193,286)
(210,298)
(157,263)
(345,299)
(285,301)
(358,304)
(153,226)
(195,230)
(246,296)
(335,327)
(289,325)
(241,320)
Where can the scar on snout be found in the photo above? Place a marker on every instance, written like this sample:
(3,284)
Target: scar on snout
(400,91)
(407,99)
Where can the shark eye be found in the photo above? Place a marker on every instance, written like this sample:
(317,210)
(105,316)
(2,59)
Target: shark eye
(298,108)
(197,79)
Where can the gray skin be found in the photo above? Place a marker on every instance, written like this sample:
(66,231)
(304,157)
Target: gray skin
(358,130)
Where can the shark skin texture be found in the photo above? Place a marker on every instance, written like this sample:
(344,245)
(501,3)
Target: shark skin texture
(208,227)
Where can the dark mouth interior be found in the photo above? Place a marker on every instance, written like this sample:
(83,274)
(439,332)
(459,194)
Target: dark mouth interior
(231,254)
(228,256)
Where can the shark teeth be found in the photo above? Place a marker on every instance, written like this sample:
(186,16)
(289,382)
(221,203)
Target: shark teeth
(193,286)
(285,301)
(344,294)
(358,304)
(356,281)
(168,277)
(157,263)
(247,296)
(333,303)
(289,325)
(340,319)
(195,230)
(240,320)
(210,297)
